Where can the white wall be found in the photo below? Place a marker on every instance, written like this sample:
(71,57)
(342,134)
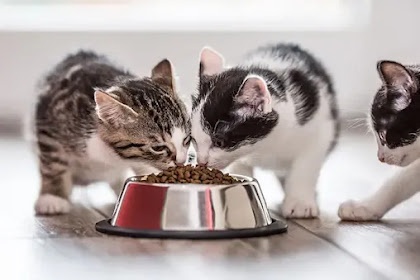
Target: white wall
(350,56)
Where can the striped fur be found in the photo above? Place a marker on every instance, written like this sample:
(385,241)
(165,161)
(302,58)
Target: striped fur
(93,121)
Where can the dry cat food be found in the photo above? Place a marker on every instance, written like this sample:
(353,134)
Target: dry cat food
(191,174)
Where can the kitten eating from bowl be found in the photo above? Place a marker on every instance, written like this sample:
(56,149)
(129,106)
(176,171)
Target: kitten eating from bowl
(276,110)
(395,121)
(94,121)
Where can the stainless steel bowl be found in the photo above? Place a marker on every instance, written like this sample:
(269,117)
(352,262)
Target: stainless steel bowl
(191,210)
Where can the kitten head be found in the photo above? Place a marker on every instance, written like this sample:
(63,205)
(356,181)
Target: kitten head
(231,112)
(395,113)
(143,120)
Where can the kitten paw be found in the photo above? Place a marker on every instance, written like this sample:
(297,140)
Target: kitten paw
(48,204)
(357,211)
(299,208)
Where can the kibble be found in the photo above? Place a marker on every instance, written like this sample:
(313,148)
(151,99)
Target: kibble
(191,175)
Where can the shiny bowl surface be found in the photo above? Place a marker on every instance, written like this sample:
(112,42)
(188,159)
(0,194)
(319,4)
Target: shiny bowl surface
(191,207)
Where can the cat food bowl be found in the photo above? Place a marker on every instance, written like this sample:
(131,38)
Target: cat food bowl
(191,211)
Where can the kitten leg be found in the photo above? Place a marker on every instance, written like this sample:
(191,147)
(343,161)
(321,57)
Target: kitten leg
(240,169)
(56,178)
(56,185)
(397,189)
(301,180)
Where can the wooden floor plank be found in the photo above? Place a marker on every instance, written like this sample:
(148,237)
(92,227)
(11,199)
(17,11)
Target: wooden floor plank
(21,187)
(105,209)
(286,252)
(306,256)
(325,248)
(297,254)
(79,222)
(392,247)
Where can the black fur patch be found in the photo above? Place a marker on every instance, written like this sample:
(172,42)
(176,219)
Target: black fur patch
(47,147)
(227,129)
(400,127)
(288,51)
(127,146)
(306,98)
(295,53)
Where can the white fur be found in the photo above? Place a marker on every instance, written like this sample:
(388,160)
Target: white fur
(297,150)
(286,149)
(400,156)
(111,91)
(48,204)
(101,163)
(397,189)
(105,165)
(73,70)
(202,139)
(265,60)
(178,136)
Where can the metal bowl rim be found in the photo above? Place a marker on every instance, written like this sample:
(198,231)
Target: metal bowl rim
(248,180)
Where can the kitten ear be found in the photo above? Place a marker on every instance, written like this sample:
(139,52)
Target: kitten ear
(395,74)
(111,111)
(163,74)
(255,95)
(211,62)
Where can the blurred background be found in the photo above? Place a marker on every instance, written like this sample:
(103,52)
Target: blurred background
(349,36)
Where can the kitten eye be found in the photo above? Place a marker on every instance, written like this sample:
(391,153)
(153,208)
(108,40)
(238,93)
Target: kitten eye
(187,141)
(382,136)
(159,149)
(218,143)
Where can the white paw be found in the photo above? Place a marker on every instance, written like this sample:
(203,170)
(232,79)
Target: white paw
(48,204)
(357,211)
(299,208)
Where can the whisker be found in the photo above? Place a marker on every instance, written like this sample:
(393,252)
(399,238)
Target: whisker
(357,123)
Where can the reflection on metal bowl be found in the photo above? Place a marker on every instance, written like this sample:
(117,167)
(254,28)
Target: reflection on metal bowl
(191,211)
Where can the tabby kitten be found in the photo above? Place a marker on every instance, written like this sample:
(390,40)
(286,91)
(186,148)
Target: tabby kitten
(275,110)
(395,121)
(94,121)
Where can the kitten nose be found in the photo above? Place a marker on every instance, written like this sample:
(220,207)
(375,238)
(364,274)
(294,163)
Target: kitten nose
(202,159)
(381,159)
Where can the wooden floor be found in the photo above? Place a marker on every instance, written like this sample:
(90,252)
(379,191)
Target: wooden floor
(68,247)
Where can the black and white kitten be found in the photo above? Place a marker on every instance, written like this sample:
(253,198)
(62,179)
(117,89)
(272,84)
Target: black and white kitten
(94,121)
(395,121)
(276,110)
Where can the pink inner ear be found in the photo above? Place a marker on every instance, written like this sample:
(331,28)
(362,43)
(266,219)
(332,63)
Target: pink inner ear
(112,111)
(254,92)
(100,97)
(211,62)
(396,74)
